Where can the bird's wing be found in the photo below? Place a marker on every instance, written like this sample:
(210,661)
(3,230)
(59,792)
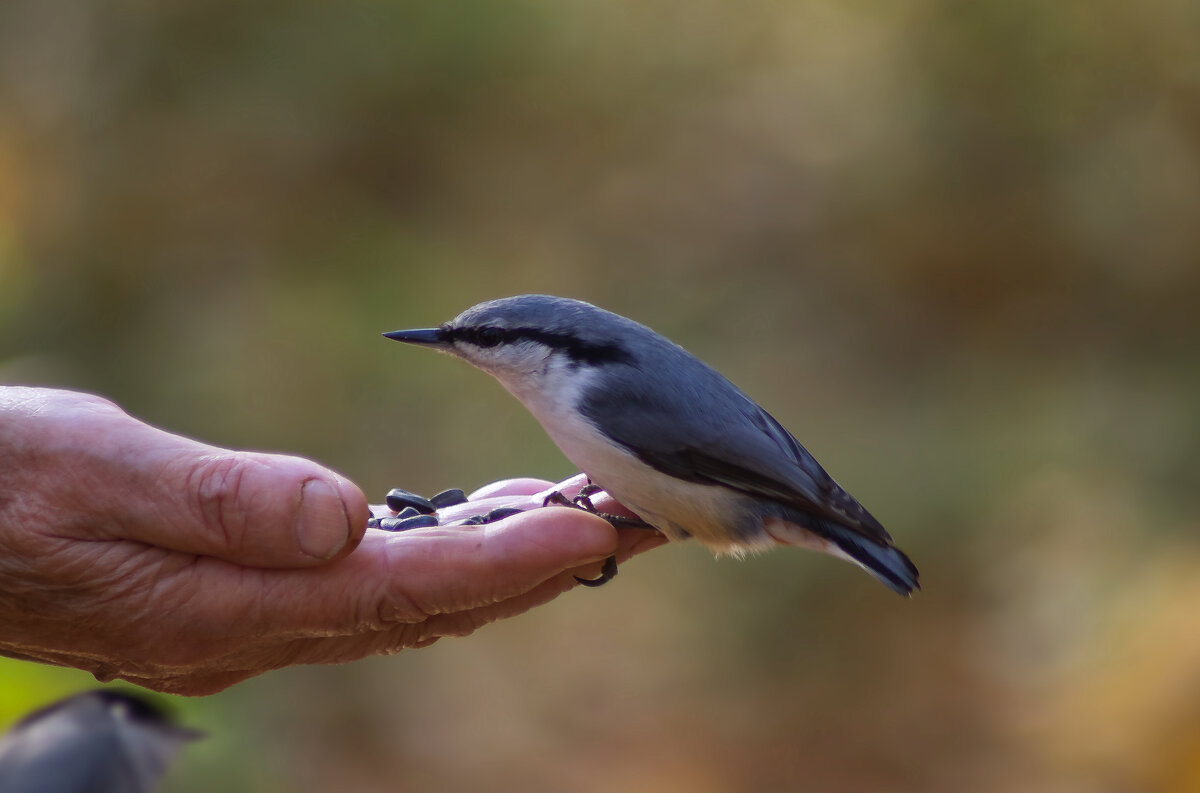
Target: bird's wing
(708,449)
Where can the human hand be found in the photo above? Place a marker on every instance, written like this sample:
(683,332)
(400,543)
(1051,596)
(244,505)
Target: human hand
(133,553)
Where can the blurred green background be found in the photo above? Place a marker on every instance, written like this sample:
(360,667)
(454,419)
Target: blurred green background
(954,246)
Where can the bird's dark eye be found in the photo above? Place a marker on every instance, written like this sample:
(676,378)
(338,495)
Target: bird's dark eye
(488,336)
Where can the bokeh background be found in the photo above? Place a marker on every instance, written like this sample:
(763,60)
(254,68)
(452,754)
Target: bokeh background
(954,246)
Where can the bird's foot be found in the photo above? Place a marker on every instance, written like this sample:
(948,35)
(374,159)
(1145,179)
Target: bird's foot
(608,571)
(583,501)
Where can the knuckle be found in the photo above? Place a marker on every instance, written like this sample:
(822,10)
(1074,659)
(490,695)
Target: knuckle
(216,488)
(405,637)
(62,400)
(394,606)
(97,402)
(443,626)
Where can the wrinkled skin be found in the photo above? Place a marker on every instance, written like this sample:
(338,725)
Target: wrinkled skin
(133,553)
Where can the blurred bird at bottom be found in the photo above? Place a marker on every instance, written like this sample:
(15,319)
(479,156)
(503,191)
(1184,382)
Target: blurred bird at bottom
(102,741)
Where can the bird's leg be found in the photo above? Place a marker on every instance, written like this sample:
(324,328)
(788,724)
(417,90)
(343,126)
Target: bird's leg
(607,573)
(583,501)
(556,499)
(609,570)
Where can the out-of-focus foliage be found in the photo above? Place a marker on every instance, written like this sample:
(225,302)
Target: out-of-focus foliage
(952,245)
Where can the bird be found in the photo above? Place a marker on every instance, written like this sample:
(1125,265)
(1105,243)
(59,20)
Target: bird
(100,741)
(664,433)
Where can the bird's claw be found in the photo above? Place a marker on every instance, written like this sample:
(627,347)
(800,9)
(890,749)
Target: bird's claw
(556,499)
(583,501)
(607,573)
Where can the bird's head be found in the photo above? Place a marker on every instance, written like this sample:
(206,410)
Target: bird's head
(525,338)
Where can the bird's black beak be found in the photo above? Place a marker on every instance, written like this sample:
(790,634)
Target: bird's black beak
(425,337)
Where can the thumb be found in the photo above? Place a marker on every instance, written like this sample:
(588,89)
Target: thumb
(249,508)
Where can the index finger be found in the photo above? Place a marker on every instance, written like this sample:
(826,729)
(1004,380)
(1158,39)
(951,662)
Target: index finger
(409,576)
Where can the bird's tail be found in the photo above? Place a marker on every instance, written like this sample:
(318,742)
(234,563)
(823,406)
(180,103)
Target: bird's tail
(884,561)
(877,556)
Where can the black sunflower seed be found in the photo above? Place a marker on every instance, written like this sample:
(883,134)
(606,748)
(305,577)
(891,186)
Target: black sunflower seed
(398,499)
(448,498)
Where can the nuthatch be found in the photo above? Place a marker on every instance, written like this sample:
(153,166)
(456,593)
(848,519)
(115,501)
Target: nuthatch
(664,433)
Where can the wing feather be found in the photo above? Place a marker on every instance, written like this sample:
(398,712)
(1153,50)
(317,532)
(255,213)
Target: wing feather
(771,463)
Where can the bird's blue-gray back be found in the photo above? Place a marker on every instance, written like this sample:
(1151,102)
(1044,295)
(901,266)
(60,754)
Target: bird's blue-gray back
(709,444)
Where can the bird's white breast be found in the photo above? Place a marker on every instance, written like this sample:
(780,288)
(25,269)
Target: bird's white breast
(677,508)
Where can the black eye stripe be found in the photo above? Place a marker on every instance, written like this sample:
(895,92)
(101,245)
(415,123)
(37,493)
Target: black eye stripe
(483,336)
(577,349)
(490,337)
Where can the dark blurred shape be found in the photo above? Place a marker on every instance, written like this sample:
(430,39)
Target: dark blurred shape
(101,741)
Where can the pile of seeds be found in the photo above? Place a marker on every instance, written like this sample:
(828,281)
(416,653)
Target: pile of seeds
(416,512)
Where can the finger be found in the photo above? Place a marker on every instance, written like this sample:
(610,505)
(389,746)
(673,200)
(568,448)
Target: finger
(408,577)
(254,509)
(267,510)
(523,486)
(482,506)
(568,487)
(631,543)
(421,634)
(506,559)
(528,494)
(643,539)
(601,501)
(635,542)
(425,633)
(505,493)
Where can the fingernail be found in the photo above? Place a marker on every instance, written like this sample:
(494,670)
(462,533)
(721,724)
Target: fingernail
(322,528)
